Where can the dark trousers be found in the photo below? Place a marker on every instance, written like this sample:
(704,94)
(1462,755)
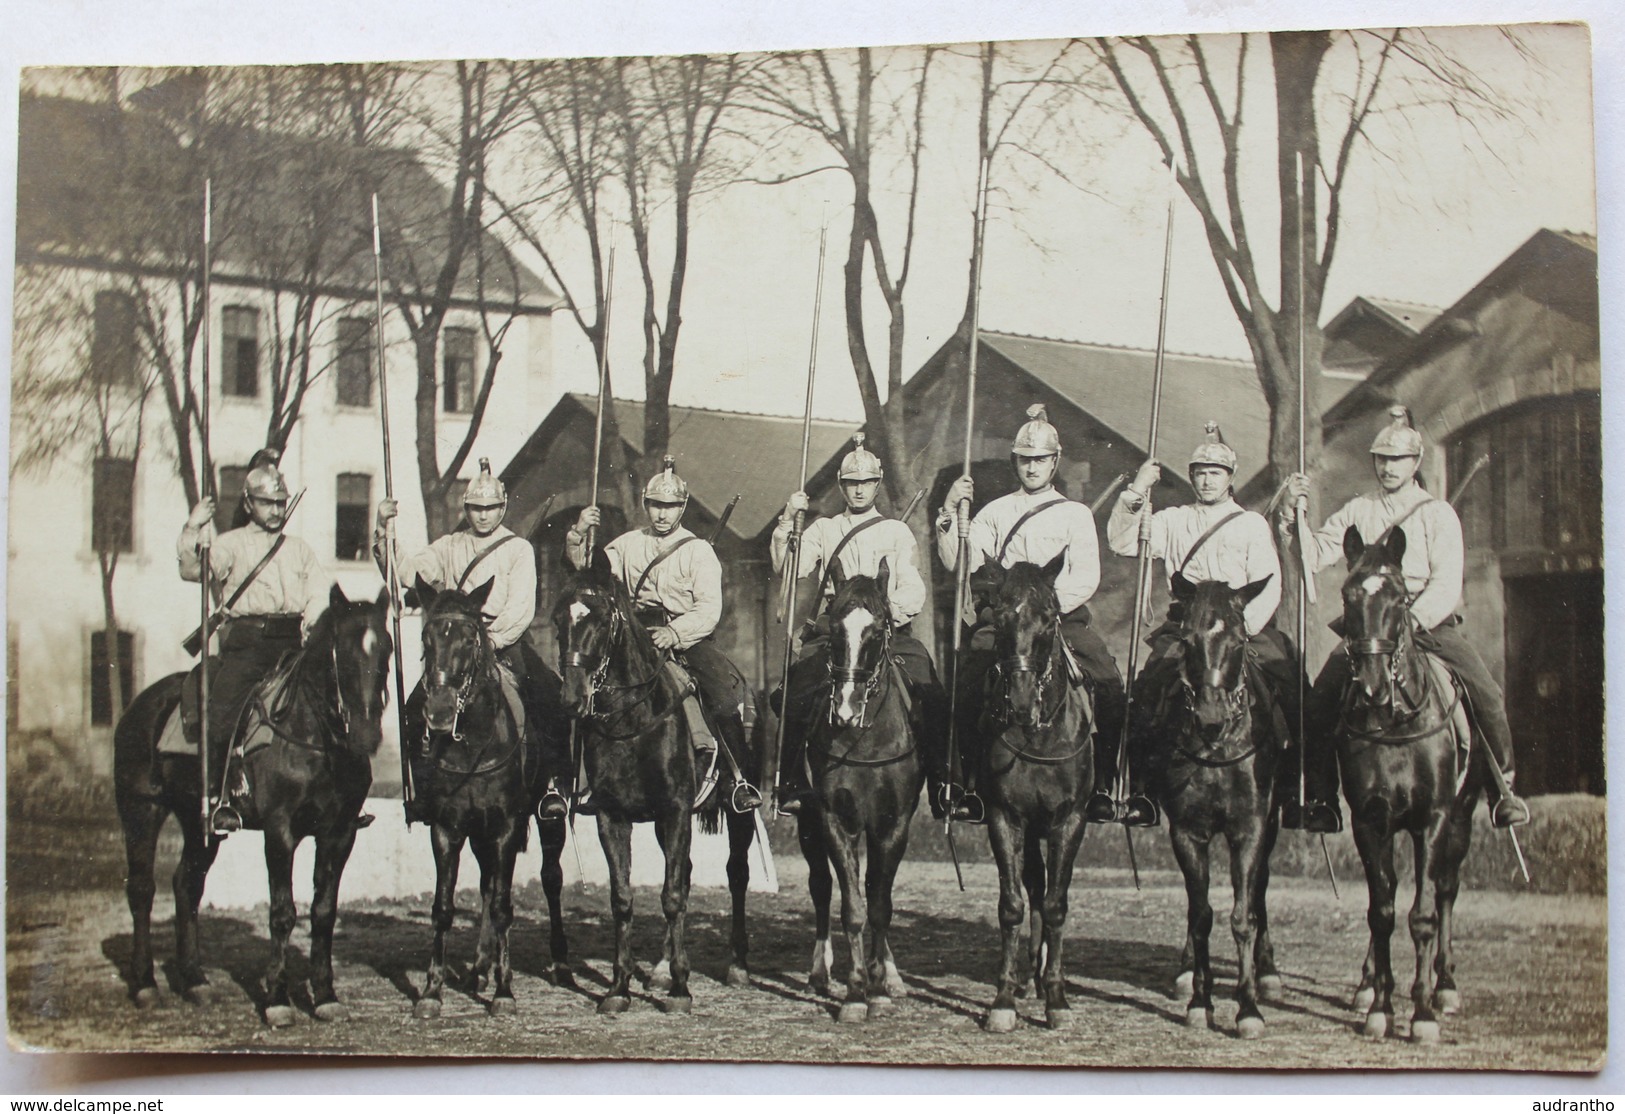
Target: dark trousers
(1485,704)
(1100,672)
(250,648)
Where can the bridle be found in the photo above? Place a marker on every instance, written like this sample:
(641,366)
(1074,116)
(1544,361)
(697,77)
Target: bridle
(597,668)
(1238,704)
(870,677)
(464,690)
(340,707)
(1007,668)
(1401,656)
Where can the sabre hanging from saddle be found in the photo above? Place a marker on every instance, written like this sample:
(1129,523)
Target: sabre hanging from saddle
(792,564)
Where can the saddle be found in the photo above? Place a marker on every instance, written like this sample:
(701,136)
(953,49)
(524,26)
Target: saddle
(183,730)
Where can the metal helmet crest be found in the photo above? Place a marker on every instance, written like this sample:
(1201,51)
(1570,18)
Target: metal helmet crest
(1212,450)
(666,486)
(860,463)
(264,480)
(485,490)
(1037,437)
(1398,437)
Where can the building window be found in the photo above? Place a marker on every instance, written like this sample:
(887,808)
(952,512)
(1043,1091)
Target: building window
(240,358)
(101,676)
(228,496)
(352,532)
(457,370)
(112,341)
(112,505)
(355,361)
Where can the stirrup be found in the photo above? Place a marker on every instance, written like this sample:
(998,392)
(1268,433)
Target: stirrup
(968,808)
(1100,809)
(1510,811)
(584,805)
(225,820)
(1140,811)
(552,806)
(744,797)
(792,803)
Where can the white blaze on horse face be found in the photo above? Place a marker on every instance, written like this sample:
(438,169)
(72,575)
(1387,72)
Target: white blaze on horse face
(1371,585)
(369,643)
(854,623)
(578,612)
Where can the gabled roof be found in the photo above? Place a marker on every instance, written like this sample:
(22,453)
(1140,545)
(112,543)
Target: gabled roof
(1113,385)
(721,453)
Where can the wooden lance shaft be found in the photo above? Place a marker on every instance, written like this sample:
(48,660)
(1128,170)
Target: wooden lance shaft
(603,390)
(206,571)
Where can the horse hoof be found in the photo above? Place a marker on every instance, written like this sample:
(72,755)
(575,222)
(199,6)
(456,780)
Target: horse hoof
(1058,1020)
(1198,1018)
(1270,988)
(426,1009)
(1184,986)
(853,1013)
(332,1011)
(879,1006)
(1447,1002)
(146,998)
(738,976)
(1001,1021)
(279,1017)
(658,984)
(1425,1032)
(1364,998)
(677,1003)
(1376,1026)
(1250,1028)
(614,1003)
(502,1007)
(200,995)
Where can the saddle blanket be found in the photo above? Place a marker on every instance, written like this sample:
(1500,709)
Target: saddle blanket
(265,700)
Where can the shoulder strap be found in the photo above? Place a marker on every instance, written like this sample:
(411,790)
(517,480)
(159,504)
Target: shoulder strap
(829,561)
(1201,541)
(650,567)
(482,555)
(254,572)
(1394,525)
(1022,521)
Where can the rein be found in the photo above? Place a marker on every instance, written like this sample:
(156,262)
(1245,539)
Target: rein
(876,683)
(465,692)
(332,713)
(1400,652)
(1005,669)
(597,667)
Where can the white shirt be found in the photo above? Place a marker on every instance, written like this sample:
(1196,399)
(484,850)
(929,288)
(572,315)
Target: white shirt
(888,539)
(688,584)
(511,569)
(1068,526)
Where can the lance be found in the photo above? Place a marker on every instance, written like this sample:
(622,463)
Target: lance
(603,389)
(792,553)
(391,573)
(912,503)
(1142,583)
(962,512)
(1106,496)
(722,523)
(206,802)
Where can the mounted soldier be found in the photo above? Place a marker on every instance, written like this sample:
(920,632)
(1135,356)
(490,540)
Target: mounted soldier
(1432,563)
(463,560)
(271,590)
(859,538)
(1211,539)
(1035,524)
(675,582)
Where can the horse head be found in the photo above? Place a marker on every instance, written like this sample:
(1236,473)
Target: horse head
(1376,612)
(859,642)
(355,637)
(457,651)
(1026,634)
(1213,659)
(589,618)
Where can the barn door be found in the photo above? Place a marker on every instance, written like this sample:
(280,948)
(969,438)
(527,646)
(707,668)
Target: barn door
(1554,681)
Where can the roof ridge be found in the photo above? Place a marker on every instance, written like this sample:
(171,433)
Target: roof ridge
(721,410)
(1117,347)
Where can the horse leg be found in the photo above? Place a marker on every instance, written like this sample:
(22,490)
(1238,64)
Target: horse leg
(1424,924)
(197,855)
(1376,847)
(142,821)
(1032,880)
(885,856)
(485,857)
(1006,840)
(499,912)
(279,848)
(1458,833)
(1244,876)
(1192,852)
(1065,837)
(448,853)
(1270,988)
(741,834)
(552,835)
(332,852)
(820,887)
(854,918)
(675,831)
(615,836)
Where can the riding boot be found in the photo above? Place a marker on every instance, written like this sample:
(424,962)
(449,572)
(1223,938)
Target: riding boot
(1319,811)
(742,795)
(1101,807)
(793,790)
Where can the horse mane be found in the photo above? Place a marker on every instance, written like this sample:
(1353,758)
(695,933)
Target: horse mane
(860,591)
(1024,579)
(1215,599)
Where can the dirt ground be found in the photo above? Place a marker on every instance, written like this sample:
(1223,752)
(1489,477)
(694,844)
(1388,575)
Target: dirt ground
(1532,969)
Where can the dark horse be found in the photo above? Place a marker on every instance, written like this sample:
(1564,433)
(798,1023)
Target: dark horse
(318,715)
(640,763)
(484,775)
(1037,757)
(867,772)
(1214,756)
(1401,747)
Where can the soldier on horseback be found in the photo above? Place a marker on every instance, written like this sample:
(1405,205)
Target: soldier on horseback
(859,538)
(273,590)
(1035,524)
(1432,564)
(1211,539)
(675,581)
(464,559)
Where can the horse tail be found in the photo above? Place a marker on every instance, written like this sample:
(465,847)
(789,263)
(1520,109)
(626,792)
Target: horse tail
(135,739)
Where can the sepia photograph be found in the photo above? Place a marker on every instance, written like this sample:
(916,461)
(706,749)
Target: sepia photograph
(1073,552)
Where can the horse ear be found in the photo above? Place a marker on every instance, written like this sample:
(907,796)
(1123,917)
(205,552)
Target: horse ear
(1249,592)
(1184,591)
(383,601)
(425,592)
(987,580)
(837,574)
(599,565)
(1353,545)
(883,577)
(336,596)
(479,595)
(1056,564)
(1396,545)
